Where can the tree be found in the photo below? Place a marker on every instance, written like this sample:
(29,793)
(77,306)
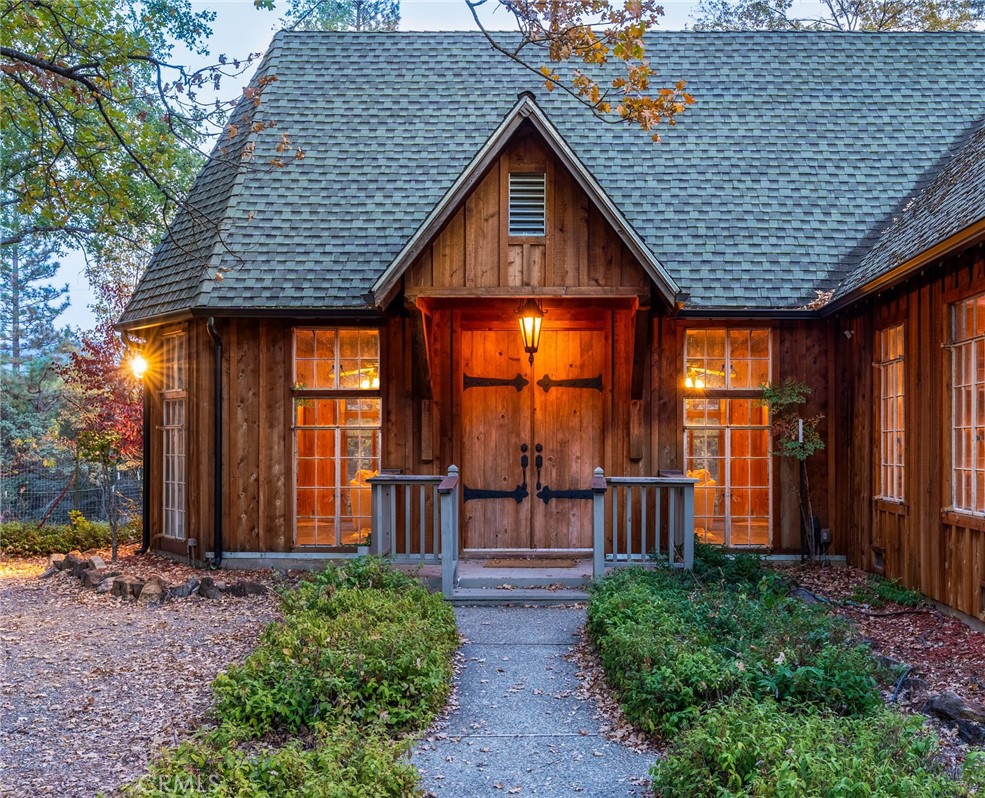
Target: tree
(359,15)
(105,407)
(29,305)
(795,437)
(841,15)
(100,129)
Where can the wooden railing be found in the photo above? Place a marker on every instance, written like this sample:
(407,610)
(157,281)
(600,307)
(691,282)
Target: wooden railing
(639,519)
(415,520)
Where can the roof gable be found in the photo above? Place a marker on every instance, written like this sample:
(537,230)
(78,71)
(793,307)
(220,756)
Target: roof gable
(525,108)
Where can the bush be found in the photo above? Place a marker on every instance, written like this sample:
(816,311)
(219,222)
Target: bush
(672,646)
(344,655)
(754,748)
(28,539)
(346,763)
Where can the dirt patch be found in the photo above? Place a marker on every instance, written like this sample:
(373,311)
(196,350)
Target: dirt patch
(92,686)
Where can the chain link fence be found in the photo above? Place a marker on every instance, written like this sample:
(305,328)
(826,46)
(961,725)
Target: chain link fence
(50,497)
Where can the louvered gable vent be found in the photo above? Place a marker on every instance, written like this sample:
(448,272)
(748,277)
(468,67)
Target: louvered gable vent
(528,202)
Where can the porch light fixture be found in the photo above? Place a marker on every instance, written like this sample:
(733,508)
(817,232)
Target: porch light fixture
(531,319)
(139,365)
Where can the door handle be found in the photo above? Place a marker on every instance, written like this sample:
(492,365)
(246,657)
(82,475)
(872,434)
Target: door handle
(539,462)
(524,462)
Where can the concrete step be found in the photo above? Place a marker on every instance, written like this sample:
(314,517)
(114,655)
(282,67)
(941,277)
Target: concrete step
(472,595)
(519,578)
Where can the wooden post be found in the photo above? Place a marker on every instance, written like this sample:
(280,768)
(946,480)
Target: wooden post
(688,525)
(598,523)
(448,491)
(376,543)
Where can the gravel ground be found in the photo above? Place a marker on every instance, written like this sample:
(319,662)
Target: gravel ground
(91,686)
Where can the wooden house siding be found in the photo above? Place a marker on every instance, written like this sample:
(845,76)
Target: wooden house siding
(920,541)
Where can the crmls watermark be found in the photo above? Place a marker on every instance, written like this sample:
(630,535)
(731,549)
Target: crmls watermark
(185,783)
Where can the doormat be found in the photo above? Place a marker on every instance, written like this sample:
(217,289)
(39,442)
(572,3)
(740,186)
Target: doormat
(527,563)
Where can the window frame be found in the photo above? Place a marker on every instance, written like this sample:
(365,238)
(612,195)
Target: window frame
(725,394)
(976,386)
(300,393)
(891,372)
(174,464)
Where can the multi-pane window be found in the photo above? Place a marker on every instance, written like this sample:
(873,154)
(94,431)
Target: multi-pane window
(968,404)
(174,363)
(892,416)
(726,434)
(337,410)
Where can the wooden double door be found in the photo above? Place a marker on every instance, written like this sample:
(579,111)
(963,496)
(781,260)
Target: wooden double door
(531,436)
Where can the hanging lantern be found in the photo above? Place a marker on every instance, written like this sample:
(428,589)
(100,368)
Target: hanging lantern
(531,319)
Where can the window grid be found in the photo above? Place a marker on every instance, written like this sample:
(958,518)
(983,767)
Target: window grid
(892,413)
(174,433)
(726,433)
(337,438)
(968,405)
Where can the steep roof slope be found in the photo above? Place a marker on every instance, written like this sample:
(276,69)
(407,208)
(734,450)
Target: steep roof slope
(778,180)
(953,201)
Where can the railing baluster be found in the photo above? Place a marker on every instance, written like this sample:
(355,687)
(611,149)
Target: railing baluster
(435,523)
(629,523)
(643,521)
(615,524)
(671,524)
(422,514)
(657,522)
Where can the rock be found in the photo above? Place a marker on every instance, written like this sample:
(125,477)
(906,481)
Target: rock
(208,588)
(49,572)
(106,585)
(125,587)
(805,595)
(154,591)
(96,576)
(185,589)
(56,561)
(73,563)
(243,587)
(950,706)
(971,733)
(95,561)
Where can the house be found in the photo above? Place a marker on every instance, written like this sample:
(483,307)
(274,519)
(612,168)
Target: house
(329,338)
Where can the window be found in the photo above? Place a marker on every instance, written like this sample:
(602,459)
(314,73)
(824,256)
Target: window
(892,414)
(726,434)
(337,410)
(968,404)
(528,204)
(173,410)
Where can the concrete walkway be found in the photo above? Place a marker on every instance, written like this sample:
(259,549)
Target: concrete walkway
(519,729)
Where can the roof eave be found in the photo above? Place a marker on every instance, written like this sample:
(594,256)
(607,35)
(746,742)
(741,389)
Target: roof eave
(964,238)
(385,288)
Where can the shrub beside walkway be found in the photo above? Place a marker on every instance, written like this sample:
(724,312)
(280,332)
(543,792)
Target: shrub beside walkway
(519,728)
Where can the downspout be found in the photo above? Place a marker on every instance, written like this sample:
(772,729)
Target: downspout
(216,442)
(144,456)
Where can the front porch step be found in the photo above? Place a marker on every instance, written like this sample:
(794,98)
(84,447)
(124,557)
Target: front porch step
(477,595)
(473,574)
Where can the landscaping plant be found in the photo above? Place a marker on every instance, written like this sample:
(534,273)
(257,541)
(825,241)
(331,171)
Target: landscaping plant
(329,701)
(29,539)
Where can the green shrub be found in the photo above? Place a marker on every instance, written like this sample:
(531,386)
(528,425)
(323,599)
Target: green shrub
(751,748)
(347,763)
(344,655)
(28,539)
(672,646)
(876,591)
(712,564)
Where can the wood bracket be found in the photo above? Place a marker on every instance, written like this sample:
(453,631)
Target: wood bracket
(421,319)
(641,351)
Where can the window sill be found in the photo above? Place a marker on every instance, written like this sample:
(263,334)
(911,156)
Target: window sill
(963,518)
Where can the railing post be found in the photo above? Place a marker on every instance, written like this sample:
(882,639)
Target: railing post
(598,523)
(688,525)
(448,492)
(380,520)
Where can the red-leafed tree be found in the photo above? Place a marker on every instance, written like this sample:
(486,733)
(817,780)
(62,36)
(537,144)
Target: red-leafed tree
(105,403)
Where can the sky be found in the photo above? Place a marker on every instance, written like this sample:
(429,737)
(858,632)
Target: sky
(240,29)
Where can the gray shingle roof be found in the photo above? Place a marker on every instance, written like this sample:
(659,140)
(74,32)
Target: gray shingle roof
(954,200)
(801,146)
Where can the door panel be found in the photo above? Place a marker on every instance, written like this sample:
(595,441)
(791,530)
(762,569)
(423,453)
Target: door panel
(564,414)
(495,421)
(568,424)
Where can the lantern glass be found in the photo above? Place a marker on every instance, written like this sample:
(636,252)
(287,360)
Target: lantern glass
(139,365)
(531,320)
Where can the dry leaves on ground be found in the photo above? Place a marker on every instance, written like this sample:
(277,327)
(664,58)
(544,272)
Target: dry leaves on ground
(91,686)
